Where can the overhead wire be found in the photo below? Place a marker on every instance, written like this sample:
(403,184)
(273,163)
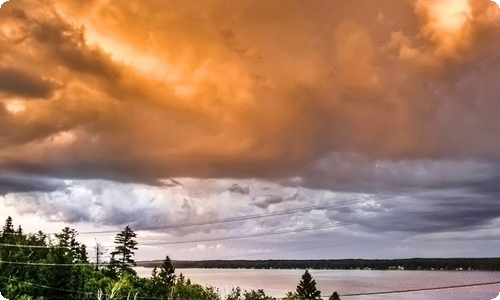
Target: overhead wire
(353,222)
(234,237)
(338,204)
(401,291)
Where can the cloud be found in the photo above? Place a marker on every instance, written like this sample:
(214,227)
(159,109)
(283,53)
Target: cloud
(18,183)
(182,122)
(235,188)
(228,98)
(21,83)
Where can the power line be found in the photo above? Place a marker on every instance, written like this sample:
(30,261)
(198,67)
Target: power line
(235,237)
(347,202)
(66,290)
(258,216)
(228,237)
(51,264)
(338,204)
(403,291)
(422,289)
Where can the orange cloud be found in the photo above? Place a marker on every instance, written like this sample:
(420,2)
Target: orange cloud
(140,92)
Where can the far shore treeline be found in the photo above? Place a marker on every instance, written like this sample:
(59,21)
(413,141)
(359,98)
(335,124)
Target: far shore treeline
(450,264)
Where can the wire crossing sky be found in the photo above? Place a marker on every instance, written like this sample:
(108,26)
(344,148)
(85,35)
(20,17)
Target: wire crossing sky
(213,128)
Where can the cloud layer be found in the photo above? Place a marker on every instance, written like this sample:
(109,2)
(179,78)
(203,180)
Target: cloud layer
(93,90)
(100,97)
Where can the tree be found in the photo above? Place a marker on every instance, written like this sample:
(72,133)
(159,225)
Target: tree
(67,240)
(235,294)
(166,275)
(307,288)
(7,230)
(257,295)
(292,296)
(124,251)
(82,254)
(334,296)
(99,253)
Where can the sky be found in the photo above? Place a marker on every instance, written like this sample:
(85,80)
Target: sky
(255,129)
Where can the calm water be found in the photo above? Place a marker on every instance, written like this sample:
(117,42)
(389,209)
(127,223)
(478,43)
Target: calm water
(278,282)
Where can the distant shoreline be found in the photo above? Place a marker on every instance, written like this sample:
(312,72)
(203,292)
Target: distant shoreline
(412,264)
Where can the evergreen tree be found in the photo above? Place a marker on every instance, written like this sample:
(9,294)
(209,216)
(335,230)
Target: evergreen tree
(19,232)
(67,240)
(307,288)
(166,275)
(164,279)
(112,267)
(124,251)
(334,296)
(6,253)
(7,230)
(82,254)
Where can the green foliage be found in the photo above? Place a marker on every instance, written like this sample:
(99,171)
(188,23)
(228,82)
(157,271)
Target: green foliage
(292,296)
(60,269)
(235,294)
(166,275)
(183,289)
(334,296)
(307,288)
(257,295)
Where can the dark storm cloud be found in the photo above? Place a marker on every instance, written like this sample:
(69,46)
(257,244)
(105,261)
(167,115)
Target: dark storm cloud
(231,96)
(18,183)
(22,83)
(457,211)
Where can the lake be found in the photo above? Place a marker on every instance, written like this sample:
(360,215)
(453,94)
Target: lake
(277,282)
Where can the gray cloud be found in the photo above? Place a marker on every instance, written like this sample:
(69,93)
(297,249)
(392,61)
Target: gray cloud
(235,188)
(19,183)
(19,82)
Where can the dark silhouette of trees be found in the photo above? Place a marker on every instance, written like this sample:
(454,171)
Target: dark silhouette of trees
(334,296)
(122,257)
(306,289)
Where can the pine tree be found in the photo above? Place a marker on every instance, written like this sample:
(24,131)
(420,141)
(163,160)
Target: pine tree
(6,254)
(8,230)
(82,254)
(112,267)
(307,288)
(67,239)
(166,274)
(334,296)
(19,231)
(164,279)
(124,251)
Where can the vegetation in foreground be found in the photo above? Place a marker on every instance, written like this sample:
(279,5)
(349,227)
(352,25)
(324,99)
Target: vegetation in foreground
(36,267)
